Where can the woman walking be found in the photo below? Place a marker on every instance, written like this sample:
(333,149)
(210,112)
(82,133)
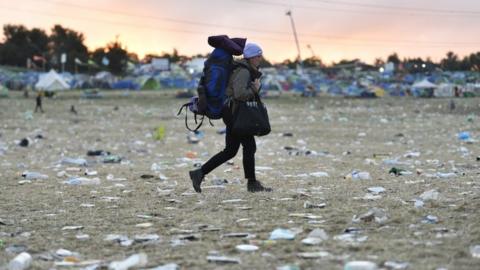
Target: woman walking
(243,85)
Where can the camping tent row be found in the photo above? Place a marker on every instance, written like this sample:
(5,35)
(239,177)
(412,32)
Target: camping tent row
(52,81)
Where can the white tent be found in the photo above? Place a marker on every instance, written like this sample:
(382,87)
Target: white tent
(51,81)
(195,65)
(3,91)
(445,90)
(425,84)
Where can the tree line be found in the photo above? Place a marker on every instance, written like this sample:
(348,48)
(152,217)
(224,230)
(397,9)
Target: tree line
(34,47)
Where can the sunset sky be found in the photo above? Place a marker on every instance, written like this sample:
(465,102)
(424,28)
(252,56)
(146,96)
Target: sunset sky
(343,29)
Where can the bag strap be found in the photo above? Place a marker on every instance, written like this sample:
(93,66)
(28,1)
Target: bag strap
(186,117)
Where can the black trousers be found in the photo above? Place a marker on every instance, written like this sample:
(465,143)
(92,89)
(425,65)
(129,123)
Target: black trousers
(232,144)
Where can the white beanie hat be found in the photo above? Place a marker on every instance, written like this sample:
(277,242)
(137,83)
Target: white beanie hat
(251,50)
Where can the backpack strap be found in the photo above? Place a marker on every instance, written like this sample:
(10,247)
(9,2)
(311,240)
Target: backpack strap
(186,117)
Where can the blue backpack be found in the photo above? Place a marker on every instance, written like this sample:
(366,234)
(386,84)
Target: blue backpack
(214,81)
(211,89)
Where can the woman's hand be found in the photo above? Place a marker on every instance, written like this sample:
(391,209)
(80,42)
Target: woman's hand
(256,85)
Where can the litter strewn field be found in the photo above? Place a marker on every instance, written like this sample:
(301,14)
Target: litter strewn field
(390,181)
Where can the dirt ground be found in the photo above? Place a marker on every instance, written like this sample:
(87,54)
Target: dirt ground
(331,135)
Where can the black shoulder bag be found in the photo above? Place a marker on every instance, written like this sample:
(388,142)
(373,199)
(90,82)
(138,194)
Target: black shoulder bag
(250,118)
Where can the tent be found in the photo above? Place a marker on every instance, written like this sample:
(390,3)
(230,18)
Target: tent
(3,91)
(51,81)
(195,65)
(424,84)
(126,84)
(148,83)
(423,88)
(103,80)
(378,91)
(445,90)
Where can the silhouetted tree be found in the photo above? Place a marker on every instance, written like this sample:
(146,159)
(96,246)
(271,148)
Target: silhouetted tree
(312,62)
(394,59)
(70,42)
(21,44)
(117,57)
(450,62)
(378,62)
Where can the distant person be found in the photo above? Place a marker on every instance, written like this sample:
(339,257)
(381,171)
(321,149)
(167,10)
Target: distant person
(243,85)
(457,91)
(39,102)
(72,110)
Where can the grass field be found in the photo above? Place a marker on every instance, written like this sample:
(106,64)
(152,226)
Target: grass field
(331,135)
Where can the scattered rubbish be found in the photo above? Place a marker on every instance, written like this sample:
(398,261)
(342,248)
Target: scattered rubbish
(288,267)
(360,265)
(82,181)
(357,175)
(314,255)
(315,237)
(142,238)
(222,131)
(219,182)
(396,265)
(376,190)
(112,159)
(309,205)
(191,154)
(28,115)
(282,234)
(144,225)
(24,142)
(159,133)
(464,136)
(91,153)
(194,138)
(237,235)
(6,222)
(16,249)
(65,253)
(430,219)
(475,251)
(136,260)
(375,214)
(446,175)
(72,228)
(319,174)
(287,134)
(82,236)
(170,266)
(121,239)
(91,173)
(247,248)
(418,203)
(34,176)
(397,171)
(412,155)
(74,262)
(470,118)
(430,195)
(74,161)
(233,201)
(223,259)
(293,151)
(20,262)
(371,197)
(351,238)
